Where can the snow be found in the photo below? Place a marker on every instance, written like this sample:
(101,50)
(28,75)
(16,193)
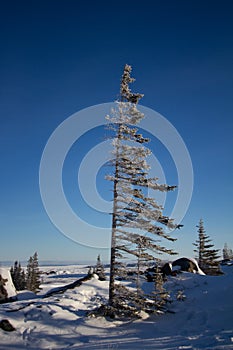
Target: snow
(202,321)
(9,286)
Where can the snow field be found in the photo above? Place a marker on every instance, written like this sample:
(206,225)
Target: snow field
(202,321)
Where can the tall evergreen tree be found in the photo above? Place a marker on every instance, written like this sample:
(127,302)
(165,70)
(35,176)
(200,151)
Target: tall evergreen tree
(33,274)
(137,219)
(208,258)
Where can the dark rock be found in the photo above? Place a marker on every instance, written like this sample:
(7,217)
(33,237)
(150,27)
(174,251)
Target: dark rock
(6,326)
(185,264)
(3,291)
(166,269)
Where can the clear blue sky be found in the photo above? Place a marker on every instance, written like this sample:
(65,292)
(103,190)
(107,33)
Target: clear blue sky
(58,57)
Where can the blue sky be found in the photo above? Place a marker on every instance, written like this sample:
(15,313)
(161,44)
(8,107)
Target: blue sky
(58,57)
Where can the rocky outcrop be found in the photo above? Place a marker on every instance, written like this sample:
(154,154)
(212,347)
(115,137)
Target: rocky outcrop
(181,264)
(6,326)
(185,264)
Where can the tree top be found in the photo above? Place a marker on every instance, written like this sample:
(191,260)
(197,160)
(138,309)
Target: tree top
(125,92)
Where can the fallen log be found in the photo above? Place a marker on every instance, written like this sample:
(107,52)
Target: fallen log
(62,289)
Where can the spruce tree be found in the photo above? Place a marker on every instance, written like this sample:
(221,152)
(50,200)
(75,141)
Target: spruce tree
(18,276)
(99,269)
(161,295)
(208,258)
(33,274)
(138,222)
(227,252)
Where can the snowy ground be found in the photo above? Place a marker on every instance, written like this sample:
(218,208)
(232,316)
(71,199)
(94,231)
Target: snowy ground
(203,321)
(6,275)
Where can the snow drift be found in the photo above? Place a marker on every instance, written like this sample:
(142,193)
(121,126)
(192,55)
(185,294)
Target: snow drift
(9,286)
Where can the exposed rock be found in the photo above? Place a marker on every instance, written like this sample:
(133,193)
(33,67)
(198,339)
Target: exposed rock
(166,269)
(181,264)
(186,264)
(6,326)
(3,291)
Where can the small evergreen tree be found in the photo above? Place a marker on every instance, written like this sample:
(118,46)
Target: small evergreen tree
(18,276)
(208,258)
(90,271)
(227,252)
(161,294)
(99,269)
(33,274)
